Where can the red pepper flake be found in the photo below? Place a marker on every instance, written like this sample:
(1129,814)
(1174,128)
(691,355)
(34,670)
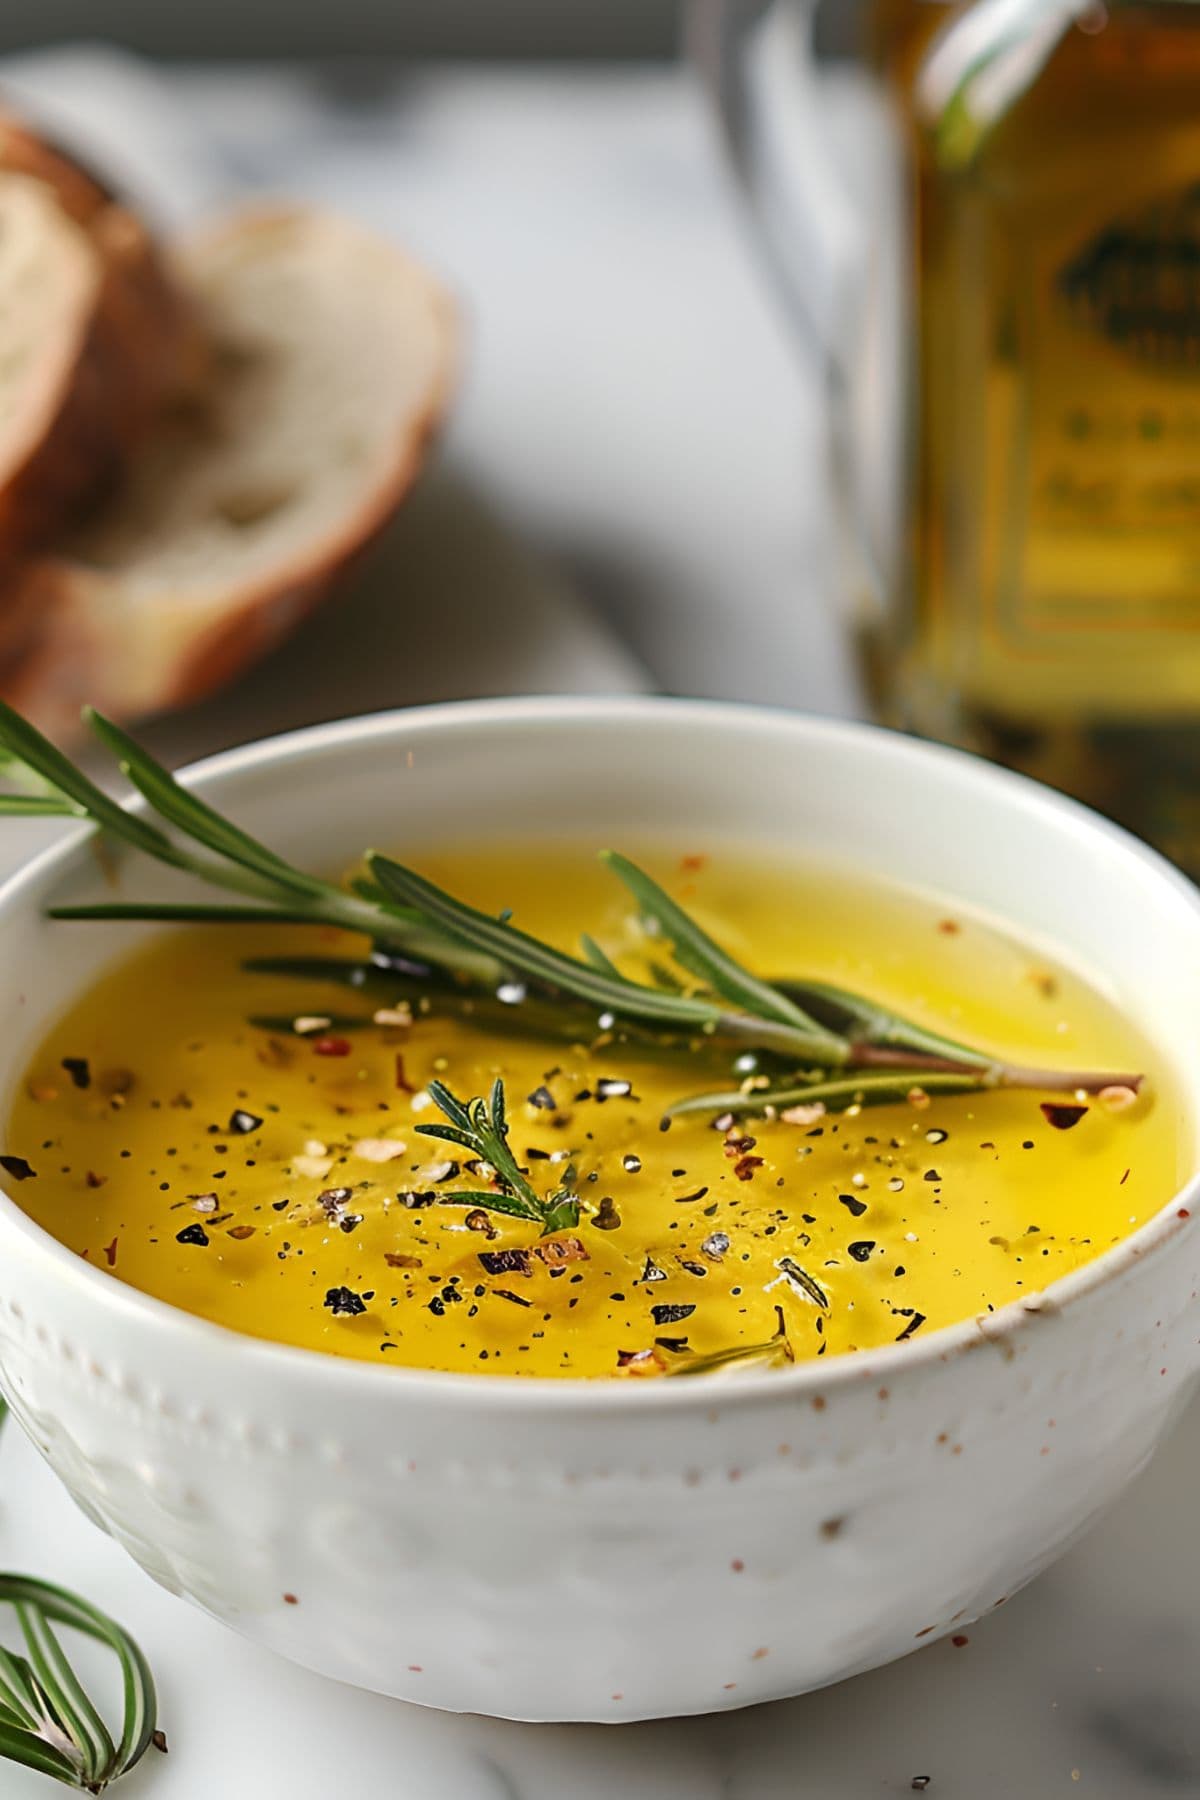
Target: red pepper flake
(478,1220)
(93,1180)
(554,1252)
(505,1262)
(397,1259)
(1183,1213)
(290,1600)
(403,1084)
(692,865)
(745,1166)
(960,1640)
(110,1254)
(949,927)
(240,1232)
(331,1046)
(159,1740)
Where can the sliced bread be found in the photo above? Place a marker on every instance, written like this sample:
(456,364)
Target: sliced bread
(332,357)
(93,334)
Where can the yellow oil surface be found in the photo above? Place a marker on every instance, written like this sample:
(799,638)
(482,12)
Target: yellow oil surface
(154,1107)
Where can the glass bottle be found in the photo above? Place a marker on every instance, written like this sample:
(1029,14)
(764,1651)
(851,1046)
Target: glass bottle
(1036,592)
(1050,610)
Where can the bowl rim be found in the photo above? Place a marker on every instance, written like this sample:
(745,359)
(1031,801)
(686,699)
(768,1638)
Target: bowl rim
(808,1378)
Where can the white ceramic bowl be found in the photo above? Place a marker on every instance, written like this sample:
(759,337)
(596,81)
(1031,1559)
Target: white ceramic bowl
(558,1550)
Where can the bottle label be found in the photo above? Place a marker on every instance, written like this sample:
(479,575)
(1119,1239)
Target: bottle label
(1098,531)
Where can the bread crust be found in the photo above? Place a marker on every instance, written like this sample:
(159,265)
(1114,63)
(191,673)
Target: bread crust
(64,635)
(135,340)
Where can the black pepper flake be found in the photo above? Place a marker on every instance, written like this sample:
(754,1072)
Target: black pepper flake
(862,1250)
(192,1234)
(914,1324)
(332,1202)
(693,1268)
(854,1206)
(412,1199)
(242,1123)
(631,1164)
(667,1314)
(676,1344)
(17,1167)
(1062,1117)
(542,1098)
(77,1068)
(507,1294)
(920,1783)
(506,1262)
(931,1175)
(279,1205)
(687,1199)
(344,1303)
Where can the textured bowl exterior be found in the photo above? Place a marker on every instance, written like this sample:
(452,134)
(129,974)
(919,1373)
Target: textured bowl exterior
(609,1550)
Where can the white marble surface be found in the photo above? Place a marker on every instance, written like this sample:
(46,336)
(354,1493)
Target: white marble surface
(634,431)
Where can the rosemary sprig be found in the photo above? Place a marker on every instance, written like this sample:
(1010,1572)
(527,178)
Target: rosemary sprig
(614,994)
(48,1722)
(481,1127)
(813,1038)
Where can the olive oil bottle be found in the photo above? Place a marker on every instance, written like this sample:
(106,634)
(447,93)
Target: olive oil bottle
(1049,613)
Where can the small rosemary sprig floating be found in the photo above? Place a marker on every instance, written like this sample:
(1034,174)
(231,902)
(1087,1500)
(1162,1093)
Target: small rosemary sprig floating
(481,1127)
(793,1042)
(48,1722)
